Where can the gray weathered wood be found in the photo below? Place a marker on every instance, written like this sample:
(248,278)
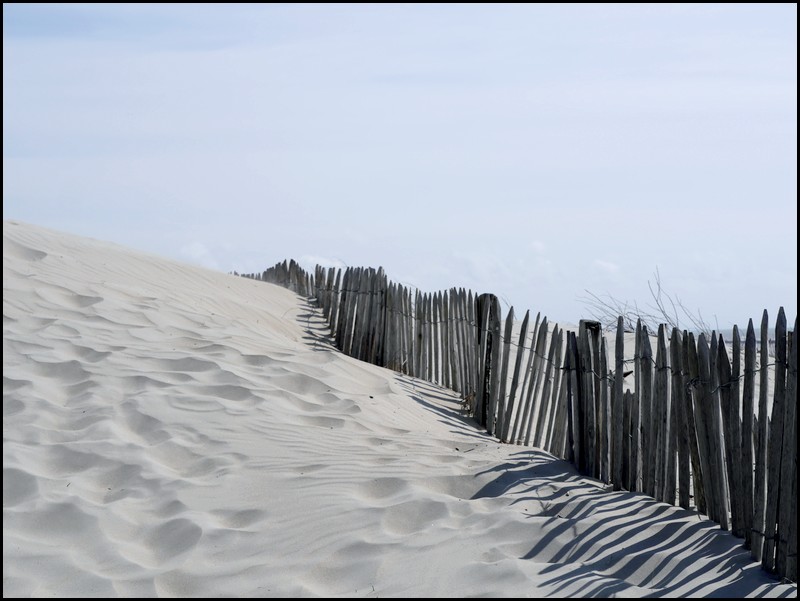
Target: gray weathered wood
(736,428)
(699,375)
(342,316)
(352,300)
(419,334)
(427,334)
(392,349)
(458,343)
(627,437)
(535,382)
(616,406)
(736,423)
(523,408)
(558,372)
(791,527)
(359,303)
(710,410)
(605,408)
(573,450)
(425,353)
(730,424)
(515,379)
(595,329)
(436,324)
(558,443)
(368,314)
(335,300)
(636,444)
(774,450)
(692,423)
(496,361)
(748,390)
(408,332)
(681,423)
(761,444)
(787,503)
(447,342)
(484,355)
(378,341)
(399,324)
(502,418)
(627,406)
(587,403)
(545,420)
(659,416)
(463,355)
(470,324)
(671,467)
(716,410)
(433,360)
(646,430)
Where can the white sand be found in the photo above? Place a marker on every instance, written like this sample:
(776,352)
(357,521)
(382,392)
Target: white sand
(174,431)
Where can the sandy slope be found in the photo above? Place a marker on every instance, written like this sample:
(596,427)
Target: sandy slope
(169,430)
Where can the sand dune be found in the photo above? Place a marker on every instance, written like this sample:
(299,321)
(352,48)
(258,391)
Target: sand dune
(174,431)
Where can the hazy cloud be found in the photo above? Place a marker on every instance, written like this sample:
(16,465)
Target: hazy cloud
(522,151)
(606,266)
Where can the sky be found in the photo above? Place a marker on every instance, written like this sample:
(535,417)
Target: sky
(534,151)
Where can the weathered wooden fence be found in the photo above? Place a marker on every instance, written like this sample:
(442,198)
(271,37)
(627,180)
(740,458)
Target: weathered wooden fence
(689,427)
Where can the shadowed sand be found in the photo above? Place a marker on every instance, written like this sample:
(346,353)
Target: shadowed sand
(174,431)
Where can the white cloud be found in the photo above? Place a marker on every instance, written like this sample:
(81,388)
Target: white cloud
(308,262)
(197,252)
(606,266)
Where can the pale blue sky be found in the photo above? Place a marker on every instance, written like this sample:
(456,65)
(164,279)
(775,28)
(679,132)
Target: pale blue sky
(533,151)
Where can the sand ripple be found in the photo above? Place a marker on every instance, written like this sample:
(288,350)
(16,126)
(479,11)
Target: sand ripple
(172,431)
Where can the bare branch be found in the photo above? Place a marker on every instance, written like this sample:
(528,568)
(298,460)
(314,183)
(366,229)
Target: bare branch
(666,309)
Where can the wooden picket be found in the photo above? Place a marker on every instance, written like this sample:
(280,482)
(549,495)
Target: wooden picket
(685,429)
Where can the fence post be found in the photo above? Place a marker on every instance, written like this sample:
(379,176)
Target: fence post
(688,345)
(447,341)
(659,414)
(716,479)
(646,371)
(730,424)
(545,420)
(573,441)
(788,461)
(535,382)
(775,444)
(484,360)
(720,435)
(556,415)
(681,424)
(515,379)
(518,432)
(496,358)
(588,430)
(747,431)
(463,355)
(789,501)
(436,332)
(501,406)
(616,406)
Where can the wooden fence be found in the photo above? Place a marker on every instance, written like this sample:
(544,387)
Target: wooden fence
(689,427)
